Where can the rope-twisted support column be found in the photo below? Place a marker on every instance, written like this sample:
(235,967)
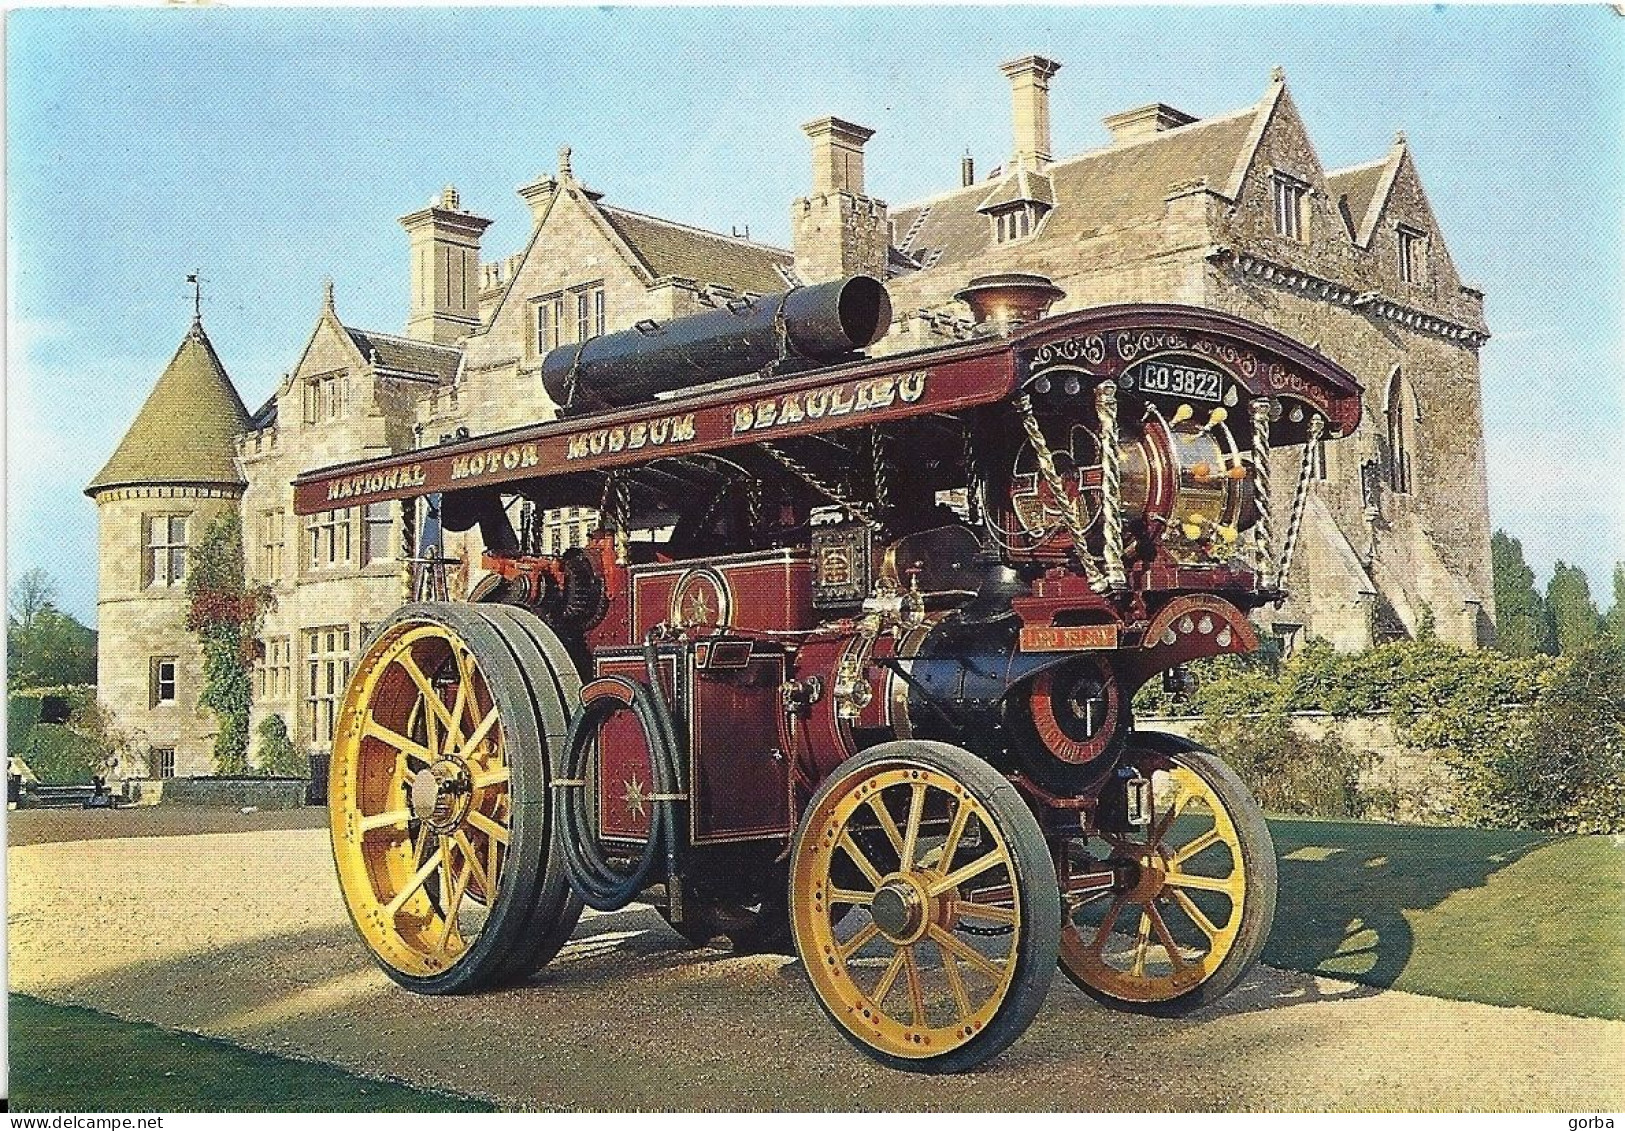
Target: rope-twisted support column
(1263,529)
(1300,496)
(1064,499)
(1111,485)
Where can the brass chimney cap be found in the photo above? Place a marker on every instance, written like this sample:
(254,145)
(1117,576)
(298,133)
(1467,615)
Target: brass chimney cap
(1007,301)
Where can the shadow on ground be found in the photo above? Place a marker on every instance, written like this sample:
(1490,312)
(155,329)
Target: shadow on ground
(1349,892)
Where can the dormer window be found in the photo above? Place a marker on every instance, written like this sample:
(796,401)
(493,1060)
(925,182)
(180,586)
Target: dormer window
(1017,223)
(1291,197)
(1413,254)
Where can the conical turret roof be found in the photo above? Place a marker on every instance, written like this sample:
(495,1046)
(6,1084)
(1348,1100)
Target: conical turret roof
(186,433)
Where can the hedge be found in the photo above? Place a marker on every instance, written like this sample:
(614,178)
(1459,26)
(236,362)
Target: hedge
(1531,742)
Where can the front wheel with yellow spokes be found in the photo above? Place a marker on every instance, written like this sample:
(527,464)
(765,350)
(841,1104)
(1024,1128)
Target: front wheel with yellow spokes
(438,795)
(1167,916)
(924,906)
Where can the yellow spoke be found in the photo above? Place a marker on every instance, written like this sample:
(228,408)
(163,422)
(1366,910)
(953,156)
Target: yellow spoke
(956,829)
(1165,936)
(481,731)
(491,777)
(421,877)
(968,909)
(969,871)
(454,902)
(465,684)
(1201,844)
(1227,886)
(916,992)
(487,880)
(956,984)
(1107,921)
(409,664)
(407,747)
(486,825)
(911,838)
(1142,943)
(969,953)
(888,977)
(392,819)
(420,844)
(887,825)
(846,895)
(1188,906)
(857,942)
(860,859)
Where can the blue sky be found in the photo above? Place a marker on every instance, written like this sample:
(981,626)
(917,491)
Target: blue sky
(273,148)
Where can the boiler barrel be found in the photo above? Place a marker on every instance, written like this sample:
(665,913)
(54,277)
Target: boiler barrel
(822,323)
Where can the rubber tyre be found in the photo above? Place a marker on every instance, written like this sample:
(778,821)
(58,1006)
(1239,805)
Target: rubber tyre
(526,902)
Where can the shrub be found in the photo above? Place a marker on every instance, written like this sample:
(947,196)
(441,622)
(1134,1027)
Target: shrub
(1560,765)
(277,755)
(1287,772)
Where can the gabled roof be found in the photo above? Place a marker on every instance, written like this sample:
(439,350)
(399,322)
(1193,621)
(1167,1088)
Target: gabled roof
(394,356)
(1018,187)
(667,248)
(186,432)
(1106,188)
(1359,186)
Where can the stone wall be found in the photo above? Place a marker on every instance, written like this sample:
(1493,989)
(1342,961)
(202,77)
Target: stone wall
(222,793)
(139,624)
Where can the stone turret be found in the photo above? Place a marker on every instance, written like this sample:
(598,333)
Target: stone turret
(171,476)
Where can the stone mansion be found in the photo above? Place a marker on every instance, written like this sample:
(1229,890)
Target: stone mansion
(1232,212)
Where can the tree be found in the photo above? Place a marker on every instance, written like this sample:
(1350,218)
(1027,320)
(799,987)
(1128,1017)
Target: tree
(225,613)
(45,647)
(32,594)
(1523,625)
(1615,620)
(1575,619)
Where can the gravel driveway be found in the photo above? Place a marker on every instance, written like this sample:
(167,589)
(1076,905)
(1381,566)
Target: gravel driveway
(243,936)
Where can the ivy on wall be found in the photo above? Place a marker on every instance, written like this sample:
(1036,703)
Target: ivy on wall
(225,613)
(1529,741)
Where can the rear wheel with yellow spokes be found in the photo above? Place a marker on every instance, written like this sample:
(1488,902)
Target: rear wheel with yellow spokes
(438,795)
(1167,916)
(924,906)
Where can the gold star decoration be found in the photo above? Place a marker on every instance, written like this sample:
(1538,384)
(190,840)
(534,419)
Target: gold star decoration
(634,796)
(699,607)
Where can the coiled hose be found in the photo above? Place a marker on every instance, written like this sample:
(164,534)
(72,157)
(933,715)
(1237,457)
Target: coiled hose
(592,876)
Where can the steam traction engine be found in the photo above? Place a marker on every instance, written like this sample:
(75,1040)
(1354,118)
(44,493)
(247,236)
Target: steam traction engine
(847,667)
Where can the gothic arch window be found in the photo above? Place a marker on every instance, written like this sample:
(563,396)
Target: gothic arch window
(1403,414)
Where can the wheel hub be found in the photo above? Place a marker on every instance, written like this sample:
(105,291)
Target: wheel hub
(439,795)
(1150,874)
(899,909)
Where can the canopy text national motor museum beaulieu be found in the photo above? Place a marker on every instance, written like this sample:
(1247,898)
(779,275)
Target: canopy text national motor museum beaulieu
(847,669)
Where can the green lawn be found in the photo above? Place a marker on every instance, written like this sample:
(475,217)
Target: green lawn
(1496,916)
(68,1059)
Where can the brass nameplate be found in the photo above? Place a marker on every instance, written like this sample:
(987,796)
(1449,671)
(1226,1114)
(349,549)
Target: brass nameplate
(1073,638)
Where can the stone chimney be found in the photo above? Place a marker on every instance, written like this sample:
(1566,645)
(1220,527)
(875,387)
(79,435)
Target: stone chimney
(837,152)
(538,196)
(1029,102)
(967,171)
(1146,121)
(838,230)
(445,258)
